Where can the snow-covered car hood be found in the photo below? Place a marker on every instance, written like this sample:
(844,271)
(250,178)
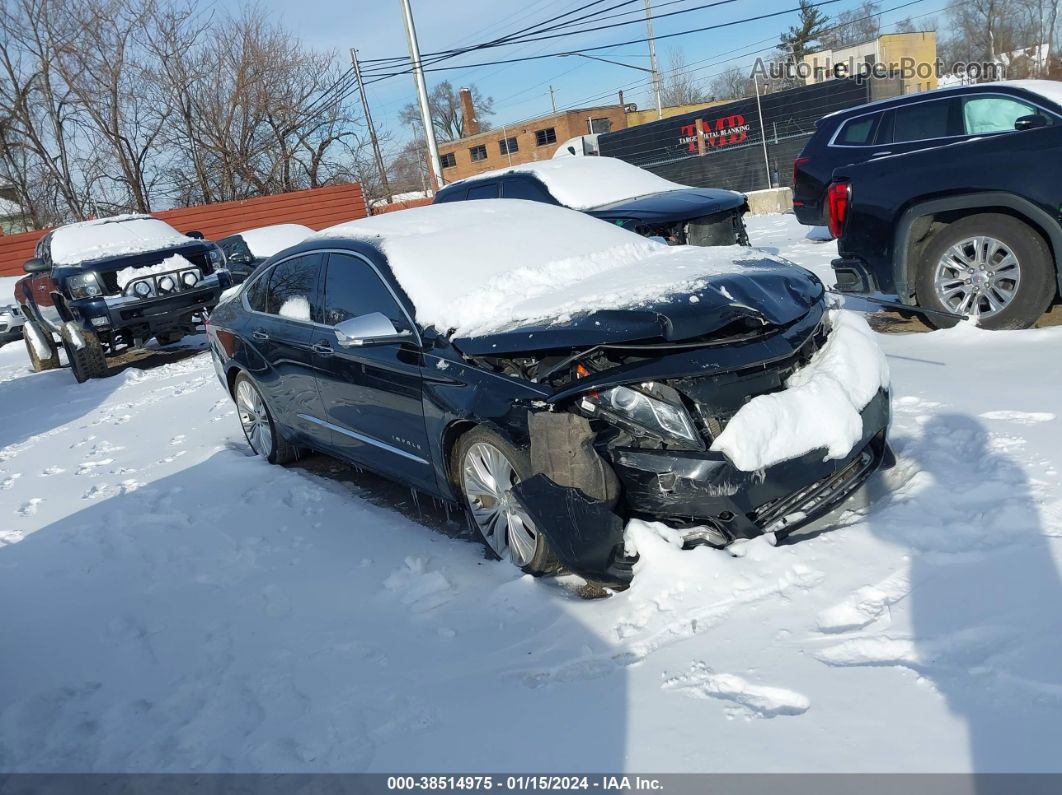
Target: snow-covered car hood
(772,295)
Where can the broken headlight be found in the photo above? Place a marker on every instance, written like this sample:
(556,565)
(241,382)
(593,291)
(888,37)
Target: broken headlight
(84,285)
(639,412)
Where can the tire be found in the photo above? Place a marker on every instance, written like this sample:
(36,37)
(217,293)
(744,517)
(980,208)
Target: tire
(479,445)
(38,364)
(1011,266)
(86,360)
(259,429)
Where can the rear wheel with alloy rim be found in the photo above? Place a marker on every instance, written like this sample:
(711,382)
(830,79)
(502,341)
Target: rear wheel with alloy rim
(989,266)
(257,423)
(486,468)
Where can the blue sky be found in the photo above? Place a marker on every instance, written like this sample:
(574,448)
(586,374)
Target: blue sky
(521,90)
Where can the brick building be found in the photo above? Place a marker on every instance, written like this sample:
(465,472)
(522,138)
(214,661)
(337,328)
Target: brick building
(524,142)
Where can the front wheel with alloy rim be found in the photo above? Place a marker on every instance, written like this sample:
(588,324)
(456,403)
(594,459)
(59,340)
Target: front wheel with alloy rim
(486,467)
(257,423)
(988,266)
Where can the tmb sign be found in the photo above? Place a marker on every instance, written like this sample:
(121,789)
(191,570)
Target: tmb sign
(724,131)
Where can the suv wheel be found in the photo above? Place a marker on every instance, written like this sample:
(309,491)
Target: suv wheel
(257,423)
(989,265)
(38,363)
(84,352)
(486,467)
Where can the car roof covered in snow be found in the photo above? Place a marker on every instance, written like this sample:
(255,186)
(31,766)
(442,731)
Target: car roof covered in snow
(481,266)
(583,183)
(265,241)
(114,236)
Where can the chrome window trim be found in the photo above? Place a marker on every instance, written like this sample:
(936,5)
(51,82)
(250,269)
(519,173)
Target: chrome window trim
(314,324)
(832,142)
(363,438)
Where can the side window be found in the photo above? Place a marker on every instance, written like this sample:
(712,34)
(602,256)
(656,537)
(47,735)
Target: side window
(291,287)
(487,191)
(921,121)
(993,114)
(352,289)
(450,195)
(858,132)
(257,291)
(526,189)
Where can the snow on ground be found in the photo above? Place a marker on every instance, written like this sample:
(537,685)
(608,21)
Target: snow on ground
(170,603)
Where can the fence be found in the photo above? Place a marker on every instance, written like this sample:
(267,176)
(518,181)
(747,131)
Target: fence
(316,208)
(745,145)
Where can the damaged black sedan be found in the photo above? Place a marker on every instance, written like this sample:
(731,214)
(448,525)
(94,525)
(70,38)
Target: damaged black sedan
(558,376)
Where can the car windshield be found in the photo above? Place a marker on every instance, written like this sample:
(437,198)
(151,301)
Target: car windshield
(109,237)
(585,183)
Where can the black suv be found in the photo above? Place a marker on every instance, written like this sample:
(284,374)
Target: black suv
(907,124)
(970,229)
(105,285)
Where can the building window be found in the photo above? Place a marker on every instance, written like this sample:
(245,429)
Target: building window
(478,153)
(508,146)
(448,160)
(600,125)
(546,136)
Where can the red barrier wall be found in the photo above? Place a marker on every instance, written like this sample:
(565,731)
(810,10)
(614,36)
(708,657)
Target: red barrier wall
(317,209)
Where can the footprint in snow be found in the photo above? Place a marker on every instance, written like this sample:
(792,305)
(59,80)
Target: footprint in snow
(8,482)
(760,701)
(30,508)
(52,471)
(88,466)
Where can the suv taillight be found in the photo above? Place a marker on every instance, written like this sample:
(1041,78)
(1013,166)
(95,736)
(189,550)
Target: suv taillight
(838,197)
(800,161)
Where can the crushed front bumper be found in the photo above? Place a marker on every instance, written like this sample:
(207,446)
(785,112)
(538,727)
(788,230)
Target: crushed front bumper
(704,488)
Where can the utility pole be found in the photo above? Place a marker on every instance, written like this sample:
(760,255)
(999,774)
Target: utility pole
(372,127)
(422,95)
(552,99)
(763,132)
(652,57)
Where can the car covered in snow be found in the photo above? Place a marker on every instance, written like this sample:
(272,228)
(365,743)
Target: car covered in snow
(11,322)
(245,251)
(557,384)
(619,193)
(105,285)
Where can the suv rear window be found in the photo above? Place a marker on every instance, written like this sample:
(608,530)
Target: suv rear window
(857,132)
(921,121)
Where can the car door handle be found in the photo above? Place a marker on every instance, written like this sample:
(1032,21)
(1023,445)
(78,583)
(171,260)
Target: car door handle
(881,154)
(259,335)
(323,348)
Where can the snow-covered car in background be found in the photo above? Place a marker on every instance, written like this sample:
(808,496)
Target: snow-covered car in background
(557,384)
(105,285)
(11,322)
(619,193)
(247,250)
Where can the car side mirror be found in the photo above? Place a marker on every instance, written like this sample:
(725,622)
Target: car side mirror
(195,234)
(1031,122)
(374,328)
(35,265)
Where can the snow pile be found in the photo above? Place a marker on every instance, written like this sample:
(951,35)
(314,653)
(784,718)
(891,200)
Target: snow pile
(583,183)
(109,237)
(820,406)
(476,267)
(296,308)
(265,241)
(174,262)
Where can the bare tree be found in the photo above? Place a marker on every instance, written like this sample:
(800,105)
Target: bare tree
(447,116)
(680,87)
(734,83)
(853,26)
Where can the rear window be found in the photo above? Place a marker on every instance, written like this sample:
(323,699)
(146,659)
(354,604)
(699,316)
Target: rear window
(857,132)
(921,121)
